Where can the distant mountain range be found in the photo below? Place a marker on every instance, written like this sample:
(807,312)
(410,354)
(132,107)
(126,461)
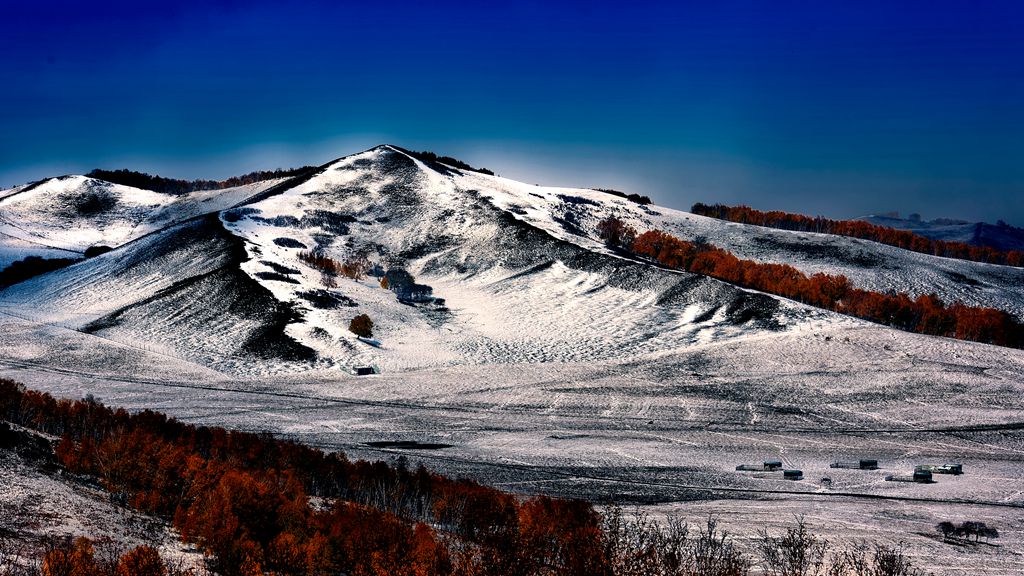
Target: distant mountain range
(1000,236)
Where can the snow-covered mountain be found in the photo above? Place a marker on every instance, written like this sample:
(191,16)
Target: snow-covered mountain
(491,270)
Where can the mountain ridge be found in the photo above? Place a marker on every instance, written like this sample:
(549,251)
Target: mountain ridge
(515,273)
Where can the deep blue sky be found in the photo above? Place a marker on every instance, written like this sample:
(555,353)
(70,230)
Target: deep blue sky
(837,108)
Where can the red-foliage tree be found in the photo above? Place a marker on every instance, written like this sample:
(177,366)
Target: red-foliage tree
(860,229)
(141,561)
(244,500)
(76,559)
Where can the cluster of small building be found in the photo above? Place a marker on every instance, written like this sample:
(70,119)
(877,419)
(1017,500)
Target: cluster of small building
(922,473)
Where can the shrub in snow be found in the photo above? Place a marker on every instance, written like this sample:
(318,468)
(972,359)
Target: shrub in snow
(616,233)
(361,326)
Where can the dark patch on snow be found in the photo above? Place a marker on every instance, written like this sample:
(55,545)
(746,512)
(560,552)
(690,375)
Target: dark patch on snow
(756,308)
(96,199)
(961,279)
(279,221)
(330,222)
(97,250)
(435,313)
(279,268)
(579,200)
(31,447)
(322,240)
(274,276)
(236,214)
(822,252)
(401,196)
(408,445)
(531,270)
(289,243)
(270,340)
(405,287)
(570,223)
(325,300)
(400,160)
(391,161)
(30,267)
(432,245)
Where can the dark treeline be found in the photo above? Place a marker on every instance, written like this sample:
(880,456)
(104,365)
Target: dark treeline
(245,500)
(427,156)
(173,186)
(639,199)
(860,229)
(927,314)
(30,267)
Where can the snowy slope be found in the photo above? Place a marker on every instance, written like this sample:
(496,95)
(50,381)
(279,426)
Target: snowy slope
(62,217)
(231,292)
(512,292)
(514,271)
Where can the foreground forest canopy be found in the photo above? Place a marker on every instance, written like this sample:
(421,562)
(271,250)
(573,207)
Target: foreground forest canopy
(246,501)
(860,229)
(926,314)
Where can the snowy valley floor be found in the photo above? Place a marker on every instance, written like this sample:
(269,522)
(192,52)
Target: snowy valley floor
(662,431)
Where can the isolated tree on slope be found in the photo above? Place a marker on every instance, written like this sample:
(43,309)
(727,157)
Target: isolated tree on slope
(616,233)
(361,326)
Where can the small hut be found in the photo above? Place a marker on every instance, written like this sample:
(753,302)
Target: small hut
(923,476)
(793,474)
(862,464)
(919,476)
(766,466)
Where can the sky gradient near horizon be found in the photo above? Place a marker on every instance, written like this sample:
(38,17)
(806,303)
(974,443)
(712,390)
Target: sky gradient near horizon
(837,108)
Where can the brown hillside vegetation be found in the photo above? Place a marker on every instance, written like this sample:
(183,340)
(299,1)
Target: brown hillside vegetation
(927,314)
(859,229)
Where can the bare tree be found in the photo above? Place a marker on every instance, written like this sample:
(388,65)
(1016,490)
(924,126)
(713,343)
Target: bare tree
(796,552)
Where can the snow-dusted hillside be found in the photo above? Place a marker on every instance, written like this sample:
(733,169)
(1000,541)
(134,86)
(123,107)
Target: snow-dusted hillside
(869,265)
(505,272)
(62,217)
(223,291)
